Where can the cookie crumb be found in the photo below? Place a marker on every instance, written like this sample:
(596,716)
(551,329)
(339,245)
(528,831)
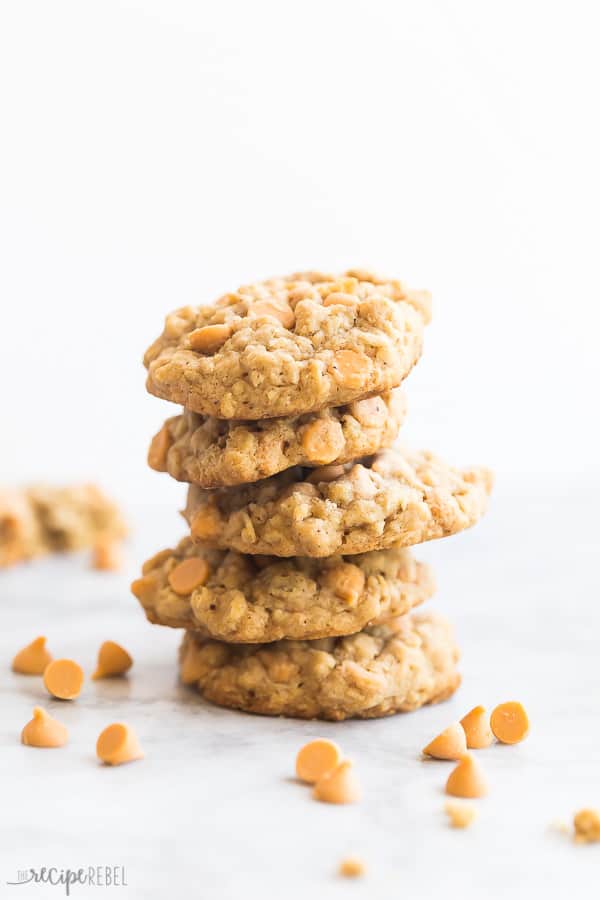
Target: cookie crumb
(461,815)
(587,826)
(352,867)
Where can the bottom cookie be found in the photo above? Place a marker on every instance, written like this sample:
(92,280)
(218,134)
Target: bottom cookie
(396,667)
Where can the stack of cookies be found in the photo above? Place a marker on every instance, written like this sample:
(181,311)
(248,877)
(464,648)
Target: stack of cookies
(296,583)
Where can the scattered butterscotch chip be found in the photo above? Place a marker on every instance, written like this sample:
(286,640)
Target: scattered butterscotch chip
(316,758)
(107,555)
(466,779)
(476,725)
(587,826)
(112,660)
(339,785)
(188,575)
(118,744)
(44,731)
(461,815)
(32,659)
(63,678)
(449,744)
(510,722)
(352,867)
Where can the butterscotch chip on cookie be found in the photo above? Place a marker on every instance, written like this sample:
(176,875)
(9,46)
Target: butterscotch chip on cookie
(255,599)
(289,346)
(384,669)
(214,452)
(396,497)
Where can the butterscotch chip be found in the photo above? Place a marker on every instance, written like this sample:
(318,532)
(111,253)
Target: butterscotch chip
(289,346)
(209,338)
(587,826)
(63,678)
(113,660)
(449,744)
(466,780)
(213,452)
(107,555)
(352,867)
(206,524)
(44,731)
(118,744)
(350,368)
(189,575)
(347,581)
(282,312)
(396,497)
(316,758)
(32,659)
(510,722)
(239,598)
(383,669)
(322,441)
(159,448)
(461,815)
(476,725)
(338,785)
(371,413)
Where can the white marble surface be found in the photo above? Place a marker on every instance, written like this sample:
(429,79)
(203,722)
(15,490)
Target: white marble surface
(213,811)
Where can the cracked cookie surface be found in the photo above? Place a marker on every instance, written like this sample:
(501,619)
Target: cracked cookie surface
(396,497)
(396,667)
(214,452)
(238,598)
(288,346)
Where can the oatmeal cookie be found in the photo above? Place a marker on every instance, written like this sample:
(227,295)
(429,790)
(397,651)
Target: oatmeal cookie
(44,519)
(395,667)
(289,346)
(396,497)
(213,452)
(237,598)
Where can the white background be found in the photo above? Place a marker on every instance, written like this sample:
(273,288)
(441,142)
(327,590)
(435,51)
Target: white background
(158,154)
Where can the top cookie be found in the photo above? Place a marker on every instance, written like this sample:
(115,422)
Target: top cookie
(396,497)
(289,346)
